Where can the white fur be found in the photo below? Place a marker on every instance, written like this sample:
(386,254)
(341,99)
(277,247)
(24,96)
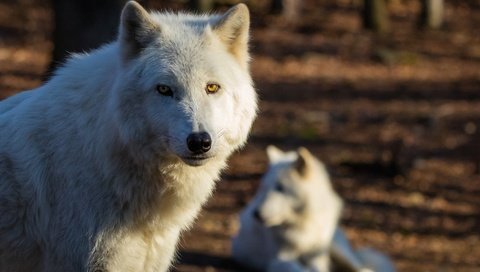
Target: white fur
(297,229)
(95,173)
(297,220)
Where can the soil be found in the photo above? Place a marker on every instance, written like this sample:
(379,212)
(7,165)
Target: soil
(395,117)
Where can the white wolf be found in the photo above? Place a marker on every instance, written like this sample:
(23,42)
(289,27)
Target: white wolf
(292,218)
(291,225)
(102,167)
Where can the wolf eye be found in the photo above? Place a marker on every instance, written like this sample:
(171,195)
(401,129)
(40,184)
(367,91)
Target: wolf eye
(164,90)
(212,88)
(279,187)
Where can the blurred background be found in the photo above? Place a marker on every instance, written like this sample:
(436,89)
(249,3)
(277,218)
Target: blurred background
(385,92)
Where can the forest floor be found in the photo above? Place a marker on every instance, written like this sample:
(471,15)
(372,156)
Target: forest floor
(396,118)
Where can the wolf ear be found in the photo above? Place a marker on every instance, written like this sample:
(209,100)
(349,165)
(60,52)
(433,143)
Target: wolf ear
(136,29)
(232,29)
(274,154)
(303,163)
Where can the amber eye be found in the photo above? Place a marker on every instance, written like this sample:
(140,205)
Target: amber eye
(164,90)
(212,88)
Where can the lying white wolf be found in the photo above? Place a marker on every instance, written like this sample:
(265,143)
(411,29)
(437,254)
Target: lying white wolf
(292,218)
(103,166)
(292,223)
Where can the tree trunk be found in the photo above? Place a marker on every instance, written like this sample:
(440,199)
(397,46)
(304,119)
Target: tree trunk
(276,6)
(292,9)
(432,14)
(201,5)
(82,25)
(289,9)
(375,16)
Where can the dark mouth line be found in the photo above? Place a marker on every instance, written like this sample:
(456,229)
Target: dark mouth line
(196,158)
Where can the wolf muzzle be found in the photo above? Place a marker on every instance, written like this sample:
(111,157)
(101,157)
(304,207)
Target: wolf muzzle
(199,143)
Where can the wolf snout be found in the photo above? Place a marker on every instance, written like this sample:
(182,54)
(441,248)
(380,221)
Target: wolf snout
(199,142)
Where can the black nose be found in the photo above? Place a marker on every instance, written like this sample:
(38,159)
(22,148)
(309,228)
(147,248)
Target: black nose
(256,215)
(199,142)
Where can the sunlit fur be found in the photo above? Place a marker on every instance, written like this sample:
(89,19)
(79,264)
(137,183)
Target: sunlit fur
(297,226)
(298,213)
(95,173)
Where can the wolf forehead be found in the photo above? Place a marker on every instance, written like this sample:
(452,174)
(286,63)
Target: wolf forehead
(180,31)
(187,33)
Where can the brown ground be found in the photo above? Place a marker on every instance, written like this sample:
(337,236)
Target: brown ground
(396,119)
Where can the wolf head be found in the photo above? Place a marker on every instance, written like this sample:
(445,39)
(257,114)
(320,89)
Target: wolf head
(293,188)
(183,88)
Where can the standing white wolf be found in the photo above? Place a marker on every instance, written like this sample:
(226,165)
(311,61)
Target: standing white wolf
(291,225)
(103,166)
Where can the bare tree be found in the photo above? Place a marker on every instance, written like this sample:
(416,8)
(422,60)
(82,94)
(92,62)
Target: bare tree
(81,25)
(432,14)
(201,5)
(290,9)
(375,16)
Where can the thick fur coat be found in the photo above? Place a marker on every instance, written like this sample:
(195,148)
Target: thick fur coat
(96,170)
(290,223)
